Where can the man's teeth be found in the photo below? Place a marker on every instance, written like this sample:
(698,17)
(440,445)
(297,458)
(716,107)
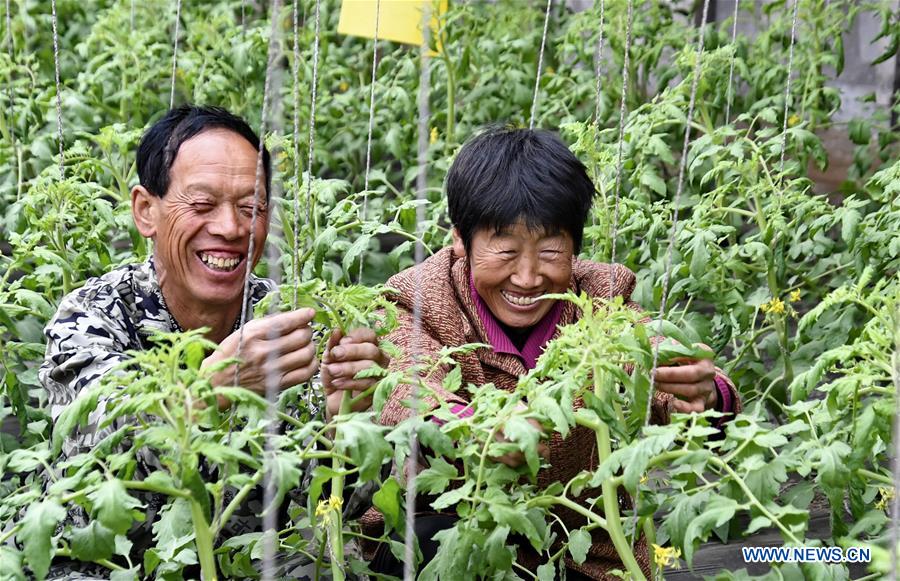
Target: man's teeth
(218,263)
(521,301)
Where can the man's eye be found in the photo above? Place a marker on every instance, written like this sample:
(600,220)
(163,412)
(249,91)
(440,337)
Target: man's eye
(203,206)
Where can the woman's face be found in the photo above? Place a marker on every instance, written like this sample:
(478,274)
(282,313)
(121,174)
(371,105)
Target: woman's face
(513,267)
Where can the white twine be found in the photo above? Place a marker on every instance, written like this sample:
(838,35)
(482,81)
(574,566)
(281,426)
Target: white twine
(59,125)
(537,79)
(409,572)
(365,202)
(175,52)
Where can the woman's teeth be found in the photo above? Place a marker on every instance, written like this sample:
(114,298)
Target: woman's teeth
(217,263)
(518,300)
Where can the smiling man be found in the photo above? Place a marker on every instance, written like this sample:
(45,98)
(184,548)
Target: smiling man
(195,200)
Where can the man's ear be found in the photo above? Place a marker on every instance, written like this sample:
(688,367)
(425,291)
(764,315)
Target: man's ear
(459,247)
(145,210)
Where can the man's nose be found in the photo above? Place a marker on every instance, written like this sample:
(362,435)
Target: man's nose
(228,223)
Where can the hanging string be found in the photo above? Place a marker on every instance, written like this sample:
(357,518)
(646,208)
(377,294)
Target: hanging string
(787,88)
(9,91)
(257,186)
(274,272)
(312,117)
(295,88)
(365,202)
(409,573)
(311,394)
(675,205)
(598,72)
(175,52)
(59,126)
(729,95)
(895,461)
(682,166)
(132,16)
(598,65)
(619,158)
(537,79)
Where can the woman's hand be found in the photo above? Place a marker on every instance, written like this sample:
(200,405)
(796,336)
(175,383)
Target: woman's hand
(515,459)
(691,381)
(345,356)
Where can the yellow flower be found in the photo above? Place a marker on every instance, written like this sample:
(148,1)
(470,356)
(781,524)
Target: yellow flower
(434,135)
(644,479)
(775,306)
(795,295)
(326,506)
(887,494)
(550,70)
(666,556)
(343,86)
(793,120)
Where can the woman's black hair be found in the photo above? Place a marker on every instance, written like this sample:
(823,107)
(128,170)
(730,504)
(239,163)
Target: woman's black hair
(505,175)
(160,144)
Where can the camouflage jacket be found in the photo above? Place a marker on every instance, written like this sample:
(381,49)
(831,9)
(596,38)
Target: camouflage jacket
(96,325)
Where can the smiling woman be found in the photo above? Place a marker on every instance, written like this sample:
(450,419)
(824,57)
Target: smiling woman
(518,202)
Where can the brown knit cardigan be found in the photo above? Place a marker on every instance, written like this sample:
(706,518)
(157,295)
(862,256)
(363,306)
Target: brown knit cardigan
(449,318)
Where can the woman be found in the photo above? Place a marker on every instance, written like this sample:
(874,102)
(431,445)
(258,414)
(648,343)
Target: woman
(518,201)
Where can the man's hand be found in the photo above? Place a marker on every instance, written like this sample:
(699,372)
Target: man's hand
(692,382)
(345,356)
(286,338)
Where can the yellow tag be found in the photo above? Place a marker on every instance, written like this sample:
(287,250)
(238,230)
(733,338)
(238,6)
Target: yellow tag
(398,20)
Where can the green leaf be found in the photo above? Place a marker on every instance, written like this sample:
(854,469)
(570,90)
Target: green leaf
(546,572)
(387,501)
(579,543)
(36,535)
(93,542)
(112,506)
(10,564)
(436,477)
(717,512)
(173,528)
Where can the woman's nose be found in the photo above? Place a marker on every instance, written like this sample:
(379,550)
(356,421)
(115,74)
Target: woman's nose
(526,274)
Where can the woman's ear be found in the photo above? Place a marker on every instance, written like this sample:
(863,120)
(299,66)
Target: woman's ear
(459,247)
(144,210)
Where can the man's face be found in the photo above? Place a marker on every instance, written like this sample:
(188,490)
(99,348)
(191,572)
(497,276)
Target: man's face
(201,227)
(513,267)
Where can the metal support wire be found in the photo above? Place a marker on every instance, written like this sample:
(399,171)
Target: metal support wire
(59,125)
(409,573)
(365,202)
(537,79)
(175,52)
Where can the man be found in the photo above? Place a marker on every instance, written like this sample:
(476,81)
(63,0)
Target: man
(195,200)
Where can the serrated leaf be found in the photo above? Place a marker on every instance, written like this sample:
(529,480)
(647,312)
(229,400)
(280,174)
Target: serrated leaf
(36,534)
(92,543)
(579,543)
(112,506)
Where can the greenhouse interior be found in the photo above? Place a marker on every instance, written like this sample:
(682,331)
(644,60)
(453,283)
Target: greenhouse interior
(449,289)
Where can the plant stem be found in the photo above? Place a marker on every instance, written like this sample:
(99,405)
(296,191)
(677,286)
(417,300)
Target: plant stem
(204,539)
(610,491)
(336,538)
